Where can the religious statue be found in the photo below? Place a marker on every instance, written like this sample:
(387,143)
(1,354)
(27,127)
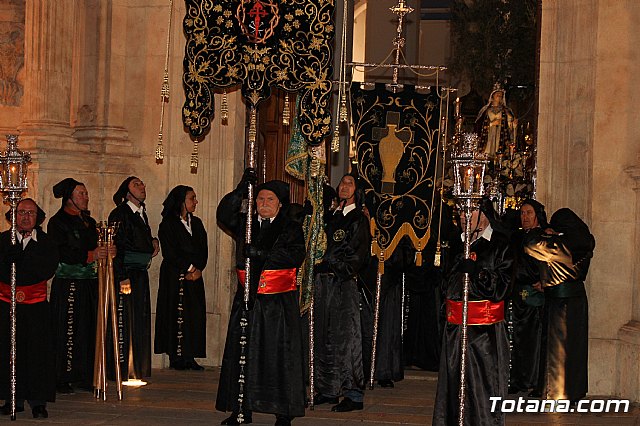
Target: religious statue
(496,124)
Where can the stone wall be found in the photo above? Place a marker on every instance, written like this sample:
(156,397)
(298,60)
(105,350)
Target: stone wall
(589,126)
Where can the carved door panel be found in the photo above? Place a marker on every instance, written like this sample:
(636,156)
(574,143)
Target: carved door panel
(273,141)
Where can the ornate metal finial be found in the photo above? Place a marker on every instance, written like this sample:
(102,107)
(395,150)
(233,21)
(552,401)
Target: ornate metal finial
(401,9)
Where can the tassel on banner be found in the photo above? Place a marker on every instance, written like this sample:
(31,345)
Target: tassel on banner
(224,108)
(194,158)
(343,108)
(286,113)
(436,259)
(159,148)
(335,142)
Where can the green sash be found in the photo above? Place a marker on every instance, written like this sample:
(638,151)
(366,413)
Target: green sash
(567,289)
(137,260)
(77,271)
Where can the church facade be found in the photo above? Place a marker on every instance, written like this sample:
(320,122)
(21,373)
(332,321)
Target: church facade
(81,84)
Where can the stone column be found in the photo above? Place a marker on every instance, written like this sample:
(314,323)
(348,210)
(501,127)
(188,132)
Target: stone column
(628,359)
(49,35)
(97,111)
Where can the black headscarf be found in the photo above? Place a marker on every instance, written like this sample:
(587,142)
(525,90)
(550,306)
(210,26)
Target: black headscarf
(65,188)
(278,187)
(123,189)
(40,216)
(172,205)
(539,209)
(576,232)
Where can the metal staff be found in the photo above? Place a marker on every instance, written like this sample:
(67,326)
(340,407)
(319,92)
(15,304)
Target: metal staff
(469,167)
(106,307)
(244,320)
(376,318)
(13,182)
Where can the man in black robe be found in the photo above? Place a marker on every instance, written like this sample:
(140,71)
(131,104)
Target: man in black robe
(274,372)
(181,315)
(136,247)
(36,259)
(338,333)
(565,250)
(74,291)
(527,303)
(487,354)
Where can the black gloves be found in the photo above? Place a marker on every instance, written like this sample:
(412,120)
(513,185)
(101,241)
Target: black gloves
(253,252)
(307,208)
(468,266)
(249,176)
(321,268)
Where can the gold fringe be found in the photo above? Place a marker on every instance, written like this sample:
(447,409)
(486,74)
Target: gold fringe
(405,229)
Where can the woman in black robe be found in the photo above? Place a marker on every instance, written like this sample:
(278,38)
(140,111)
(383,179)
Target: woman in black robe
(487,362)
(527,304)
(338,332)
(74,291)
(136,247)
(180,310)
(565,249)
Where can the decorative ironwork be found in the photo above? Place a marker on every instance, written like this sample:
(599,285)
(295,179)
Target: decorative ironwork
(259,44)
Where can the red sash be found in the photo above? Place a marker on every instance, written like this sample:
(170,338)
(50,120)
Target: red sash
(25,294)
(479,312)
(273,281)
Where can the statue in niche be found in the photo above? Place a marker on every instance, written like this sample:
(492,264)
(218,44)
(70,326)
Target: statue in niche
(496,125)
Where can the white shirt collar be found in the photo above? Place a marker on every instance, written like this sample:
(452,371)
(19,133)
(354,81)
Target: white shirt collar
(486,234)
(134,208)
(347,209)
(33,236)
(260,219)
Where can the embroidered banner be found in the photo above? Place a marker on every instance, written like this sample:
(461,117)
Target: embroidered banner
(259,44)
(396,138)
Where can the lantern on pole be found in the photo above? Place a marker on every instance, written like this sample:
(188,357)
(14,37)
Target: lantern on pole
(468,169)
(13,182)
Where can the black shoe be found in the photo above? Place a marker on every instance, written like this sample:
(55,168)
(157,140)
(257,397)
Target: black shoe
(387,383)
(64,388)
(320,399)
(347,405)
(513,390)
(233,419)
(177,364)
(6,409)
(535,394)
(193,365)
(283,421)
(39,411)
